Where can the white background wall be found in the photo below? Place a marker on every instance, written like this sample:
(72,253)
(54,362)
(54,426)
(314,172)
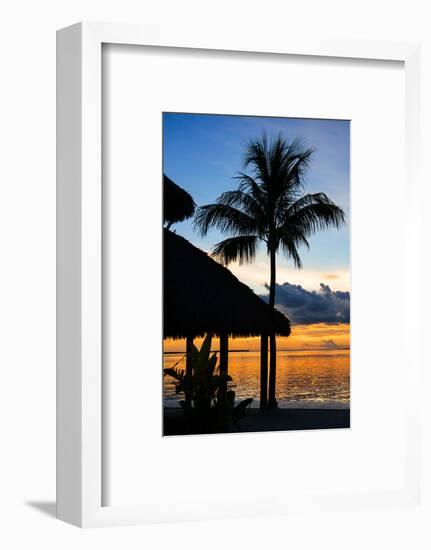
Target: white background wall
(27,274)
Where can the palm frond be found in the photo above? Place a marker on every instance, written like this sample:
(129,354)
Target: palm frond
(291,233)
(242,249)
(296,148)
(225,218)
(299,164)
(313,212)
(277,158)
(290,180)
(256,157)
(249,185)
(306,200)
(244,202)
(289,248)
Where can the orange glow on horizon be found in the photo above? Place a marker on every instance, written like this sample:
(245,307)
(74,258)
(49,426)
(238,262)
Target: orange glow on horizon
(303,337)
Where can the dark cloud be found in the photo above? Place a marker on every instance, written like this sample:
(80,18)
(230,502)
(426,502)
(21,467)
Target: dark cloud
(306,307)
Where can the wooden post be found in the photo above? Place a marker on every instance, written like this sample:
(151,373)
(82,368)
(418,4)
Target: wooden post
(263,371)
(224,351)
(189,343)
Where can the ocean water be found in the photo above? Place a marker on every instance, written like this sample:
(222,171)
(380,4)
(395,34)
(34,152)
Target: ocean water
(304,378)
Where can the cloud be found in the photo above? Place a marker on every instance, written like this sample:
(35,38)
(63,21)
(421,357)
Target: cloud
(306,307)
(329,344)
(322,344)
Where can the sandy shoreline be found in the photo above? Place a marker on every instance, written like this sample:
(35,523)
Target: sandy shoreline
(284,404)
(272,420)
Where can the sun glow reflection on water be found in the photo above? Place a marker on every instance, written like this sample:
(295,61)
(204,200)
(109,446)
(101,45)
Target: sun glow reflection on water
(319,378)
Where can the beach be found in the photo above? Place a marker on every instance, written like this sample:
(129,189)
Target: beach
(279,419)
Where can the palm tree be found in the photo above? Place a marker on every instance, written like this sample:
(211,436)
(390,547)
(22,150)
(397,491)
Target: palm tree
(269,206)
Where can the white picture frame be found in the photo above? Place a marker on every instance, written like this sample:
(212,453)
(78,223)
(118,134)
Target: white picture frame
(79,263)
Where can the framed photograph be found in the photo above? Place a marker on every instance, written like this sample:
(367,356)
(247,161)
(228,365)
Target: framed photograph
(223,373)
(231,339)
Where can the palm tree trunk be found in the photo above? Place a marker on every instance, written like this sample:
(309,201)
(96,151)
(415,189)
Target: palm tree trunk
(272,402)
(189,371)
(264,370)
(224,354)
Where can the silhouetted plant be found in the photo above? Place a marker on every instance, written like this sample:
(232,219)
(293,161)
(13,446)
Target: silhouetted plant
(268,206)
(208,406)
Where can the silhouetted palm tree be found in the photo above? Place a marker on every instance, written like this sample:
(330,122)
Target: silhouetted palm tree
(269,206)
(178,204)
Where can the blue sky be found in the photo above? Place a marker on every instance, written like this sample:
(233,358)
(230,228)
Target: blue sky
(202,154)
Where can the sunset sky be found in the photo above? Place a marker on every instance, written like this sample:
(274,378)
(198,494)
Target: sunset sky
(304,337)
(202,154)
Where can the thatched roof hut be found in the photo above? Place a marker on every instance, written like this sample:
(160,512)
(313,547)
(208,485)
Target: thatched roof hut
(202,296)
(178,204)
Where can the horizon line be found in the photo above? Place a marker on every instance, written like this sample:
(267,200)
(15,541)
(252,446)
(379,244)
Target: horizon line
(279,350)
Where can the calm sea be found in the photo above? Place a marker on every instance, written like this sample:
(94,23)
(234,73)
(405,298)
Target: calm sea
(304,378)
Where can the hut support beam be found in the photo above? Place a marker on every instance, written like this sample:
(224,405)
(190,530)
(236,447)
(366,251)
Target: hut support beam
(224,351)
(189,343)
(263,371)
